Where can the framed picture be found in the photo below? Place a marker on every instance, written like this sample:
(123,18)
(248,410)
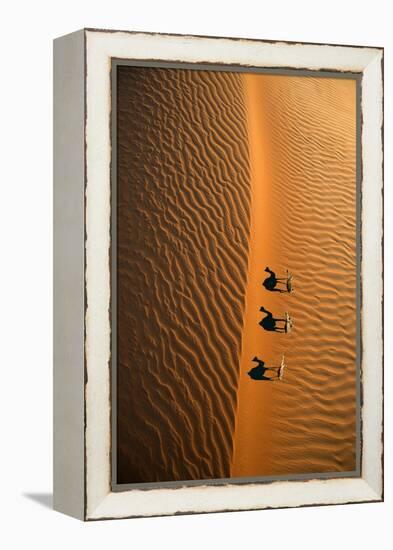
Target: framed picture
(218,274)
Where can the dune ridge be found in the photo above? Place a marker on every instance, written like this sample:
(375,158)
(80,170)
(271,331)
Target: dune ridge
(183,235)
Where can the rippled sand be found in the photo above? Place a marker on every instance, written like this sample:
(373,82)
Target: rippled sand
(183,232)
(220,175)
(302,135)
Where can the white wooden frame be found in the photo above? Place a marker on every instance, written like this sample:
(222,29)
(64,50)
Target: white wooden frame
(82,469)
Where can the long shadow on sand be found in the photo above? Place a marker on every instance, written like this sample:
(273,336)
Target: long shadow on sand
(271,323)
(271,282)
(258,372)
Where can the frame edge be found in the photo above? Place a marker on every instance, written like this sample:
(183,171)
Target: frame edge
(68,271)
(365,489)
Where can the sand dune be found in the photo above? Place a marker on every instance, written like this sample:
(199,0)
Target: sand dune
(219,175)
(303,156)
(183,234)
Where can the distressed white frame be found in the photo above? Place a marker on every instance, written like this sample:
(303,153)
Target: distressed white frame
(100,48)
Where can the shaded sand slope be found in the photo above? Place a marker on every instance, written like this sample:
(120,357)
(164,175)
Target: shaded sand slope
(303,155)
(183,231)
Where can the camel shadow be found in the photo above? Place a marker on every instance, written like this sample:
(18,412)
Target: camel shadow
(258,372)
(272,281)
(273,324)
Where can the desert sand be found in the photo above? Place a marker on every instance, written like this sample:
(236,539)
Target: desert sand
(183,231)
(302,135)
(220,175)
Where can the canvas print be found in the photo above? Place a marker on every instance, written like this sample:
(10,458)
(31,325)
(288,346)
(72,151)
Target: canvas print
(235,279)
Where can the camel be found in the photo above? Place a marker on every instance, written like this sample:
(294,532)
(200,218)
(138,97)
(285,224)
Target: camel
(270,323)
(271,282)
(258,372)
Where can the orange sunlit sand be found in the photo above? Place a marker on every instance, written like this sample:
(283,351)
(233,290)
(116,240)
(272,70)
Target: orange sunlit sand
(302,137)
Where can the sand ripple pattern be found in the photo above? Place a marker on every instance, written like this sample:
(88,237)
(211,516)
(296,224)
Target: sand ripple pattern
(312,128)
(183,230)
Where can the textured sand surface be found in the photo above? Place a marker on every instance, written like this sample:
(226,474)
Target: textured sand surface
(183,234)
(219,176)
(303,157)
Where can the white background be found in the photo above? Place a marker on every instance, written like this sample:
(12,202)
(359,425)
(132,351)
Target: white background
(26,520)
